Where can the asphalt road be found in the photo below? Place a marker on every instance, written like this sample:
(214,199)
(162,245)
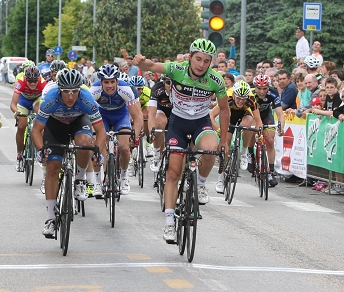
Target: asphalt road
(292,242)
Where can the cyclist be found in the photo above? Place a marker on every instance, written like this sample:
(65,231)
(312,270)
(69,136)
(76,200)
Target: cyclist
(243,110)
(144,93)
(55,66)
(27,95)
(44,67)
(312,67)
(267,99)
(193,84)
(160,108)
(66,110)
(116,101)
(23,67)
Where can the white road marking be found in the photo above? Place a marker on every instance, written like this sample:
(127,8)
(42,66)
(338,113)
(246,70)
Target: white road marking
(308,207)
(220,201)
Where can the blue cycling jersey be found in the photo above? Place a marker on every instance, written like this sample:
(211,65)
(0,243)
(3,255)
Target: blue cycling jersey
(44,69)
(54,107)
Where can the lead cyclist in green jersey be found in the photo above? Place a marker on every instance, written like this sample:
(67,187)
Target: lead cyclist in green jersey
(193,84)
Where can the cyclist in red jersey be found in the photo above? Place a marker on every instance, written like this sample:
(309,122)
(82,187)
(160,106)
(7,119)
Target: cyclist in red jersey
(27,95)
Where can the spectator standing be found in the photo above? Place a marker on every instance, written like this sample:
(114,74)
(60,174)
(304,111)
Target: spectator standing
(278,63)
(17,70)
(231,67)
(180,58)
(316,48)
(90,69)
(132,69)
(222,66)
(266,64)
(4,72)
(289,90)
(249,75)
(302,45)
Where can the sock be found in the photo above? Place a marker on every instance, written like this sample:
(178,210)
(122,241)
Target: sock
(124,173)
(98,176)
(201,180)
(80,173)
(50,208)
(243,151)
(169,213)
(272,167)
(90,177)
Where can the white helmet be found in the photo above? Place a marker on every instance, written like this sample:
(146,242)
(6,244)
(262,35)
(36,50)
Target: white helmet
(312,62)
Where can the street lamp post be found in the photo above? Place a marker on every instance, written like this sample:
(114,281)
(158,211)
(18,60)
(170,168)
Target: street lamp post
(26,25)
(94,22)
(138,38)
(37,34)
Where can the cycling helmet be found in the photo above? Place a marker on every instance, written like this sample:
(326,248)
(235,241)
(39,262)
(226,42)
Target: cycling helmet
(27,64)
(50,52)
(261,80)
(312,62)
(241,88)
(57,65)
(203,46)
(108,72)
(32,72)
(137,81)
(124,76)
(69,78)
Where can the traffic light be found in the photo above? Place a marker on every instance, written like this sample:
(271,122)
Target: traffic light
(214,13)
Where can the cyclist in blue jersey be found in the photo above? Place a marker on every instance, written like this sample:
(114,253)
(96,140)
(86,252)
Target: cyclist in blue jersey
(44,67)
(117,103)
(66,110)
(193,84)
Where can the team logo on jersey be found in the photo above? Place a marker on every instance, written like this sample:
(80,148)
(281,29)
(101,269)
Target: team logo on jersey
(179,87)
(87,127)
(103,99)
(216,79)
(173,141)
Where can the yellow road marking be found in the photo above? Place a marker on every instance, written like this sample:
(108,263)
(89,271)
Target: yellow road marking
(179,284)
(77,288)
(158,270)
(137,256)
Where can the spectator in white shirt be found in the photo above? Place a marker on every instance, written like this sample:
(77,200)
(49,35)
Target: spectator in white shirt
(316,48)
(302,45)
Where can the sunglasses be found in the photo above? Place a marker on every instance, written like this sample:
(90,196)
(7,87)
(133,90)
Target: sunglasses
(277,62)
(70,91)
(168,82)
(32,80)
(50,55)
(138,88)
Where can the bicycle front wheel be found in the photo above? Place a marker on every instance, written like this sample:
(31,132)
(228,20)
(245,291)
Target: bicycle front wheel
(181,218)
(30,160)
(231,176)
(264,174)
(161,179)
(112,188)
(192,212)
(140,162)
(66,211)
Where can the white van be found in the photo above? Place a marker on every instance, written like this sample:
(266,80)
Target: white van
(12,63)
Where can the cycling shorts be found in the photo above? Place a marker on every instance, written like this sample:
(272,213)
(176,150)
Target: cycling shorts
(268,120)
(179,128)
(236,117)
(117,118)
(24,104)
(58,133)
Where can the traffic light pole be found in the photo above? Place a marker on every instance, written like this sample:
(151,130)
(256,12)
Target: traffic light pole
(243,38)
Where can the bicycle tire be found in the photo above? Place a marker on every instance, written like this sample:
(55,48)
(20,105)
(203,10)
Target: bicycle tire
(232,175)
(117,173)
(265,175)
(140,161)
(66,212)
(161,179)
(181,219)
(112,188)
(25,161)
(31,160)
(191,208)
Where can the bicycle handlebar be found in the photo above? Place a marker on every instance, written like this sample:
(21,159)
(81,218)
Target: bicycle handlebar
(67,147)
(152,134)
(121,133)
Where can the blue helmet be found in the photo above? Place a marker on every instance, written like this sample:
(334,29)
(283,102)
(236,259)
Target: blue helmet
(108,72)
(137,81)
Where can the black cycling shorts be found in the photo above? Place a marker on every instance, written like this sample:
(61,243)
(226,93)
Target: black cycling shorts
(236,117)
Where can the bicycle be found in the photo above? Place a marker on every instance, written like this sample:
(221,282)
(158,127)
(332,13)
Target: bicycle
(262,163)
(139,161)
(232,165)
(29,151)
(64,209)
(160,177)
(112,183)
(187,211)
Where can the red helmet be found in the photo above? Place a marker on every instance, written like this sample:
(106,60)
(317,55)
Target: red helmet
(261,80)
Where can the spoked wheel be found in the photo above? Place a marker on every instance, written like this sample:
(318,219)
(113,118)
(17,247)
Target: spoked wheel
(264,175)
(191,210)
(66,212)
(231,176)
(181,222)
(30,161)
(161,179)
(140,163)
(117,173)
(25,161)
(112,188)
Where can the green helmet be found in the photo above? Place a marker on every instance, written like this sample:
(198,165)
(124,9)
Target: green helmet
(204,46)
(27,64)
(241,88)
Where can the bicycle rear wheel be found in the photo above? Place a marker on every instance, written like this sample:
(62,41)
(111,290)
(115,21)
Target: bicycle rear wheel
(181,219)
(112,188)
(30,160)
(265,174)
(66,211)
(191,208)
(161,179)
(231,175)
(140,162)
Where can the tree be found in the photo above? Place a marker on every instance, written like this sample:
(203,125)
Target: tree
(13,44)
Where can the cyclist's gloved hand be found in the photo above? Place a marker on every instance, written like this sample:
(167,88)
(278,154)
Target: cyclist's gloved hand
(40,156)
(99,159)
(137,142)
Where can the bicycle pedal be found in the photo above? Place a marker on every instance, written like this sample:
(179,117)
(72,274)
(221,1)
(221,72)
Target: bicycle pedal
(199,217)
(48,236)
(171,242)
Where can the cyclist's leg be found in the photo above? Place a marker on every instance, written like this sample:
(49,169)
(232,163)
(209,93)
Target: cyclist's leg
(158,144)
(246,121)
(250,154)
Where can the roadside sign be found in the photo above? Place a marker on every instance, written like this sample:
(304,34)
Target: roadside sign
(79,48)
(72,55)
(58,50)
(312,13)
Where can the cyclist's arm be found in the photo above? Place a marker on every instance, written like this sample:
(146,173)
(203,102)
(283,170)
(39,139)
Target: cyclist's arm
(100,135)
(14,102)
(280,116)
(257,118)
(136,115)
(152,109)
(36,134)
(148,65)
(224,118)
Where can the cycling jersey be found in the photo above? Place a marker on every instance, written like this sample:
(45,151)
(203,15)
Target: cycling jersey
(271,100)
(191,98)
(44,68)
(145,96)
(52,106)
(23,89)
(160,99)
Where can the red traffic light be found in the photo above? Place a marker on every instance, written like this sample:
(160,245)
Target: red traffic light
(216,7)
